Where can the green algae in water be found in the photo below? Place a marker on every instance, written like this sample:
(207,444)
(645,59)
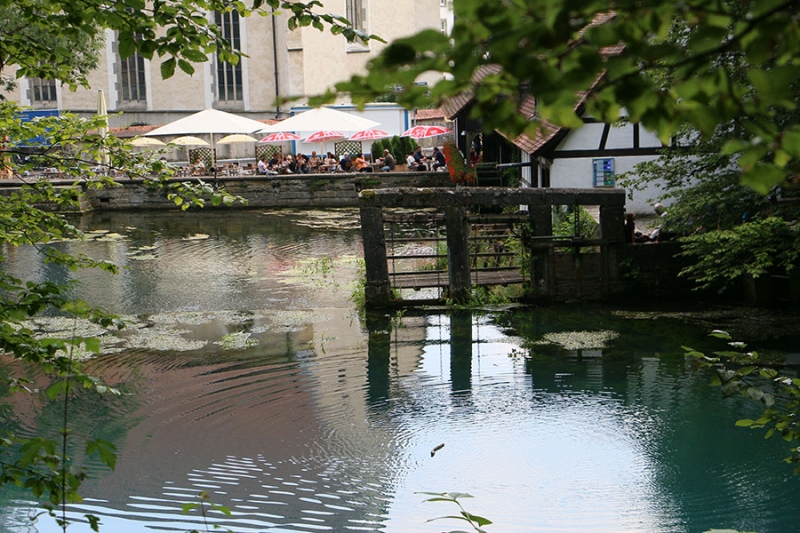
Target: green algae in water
(579,340)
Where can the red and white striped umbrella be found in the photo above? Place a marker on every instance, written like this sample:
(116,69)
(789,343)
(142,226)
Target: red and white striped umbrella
(369,135)
(421,132)
(280,136)
(324,136)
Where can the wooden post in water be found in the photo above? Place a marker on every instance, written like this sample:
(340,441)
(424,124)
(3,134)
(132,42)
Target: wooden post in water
(612,222)
(542,279)
(460,277)
(377,290)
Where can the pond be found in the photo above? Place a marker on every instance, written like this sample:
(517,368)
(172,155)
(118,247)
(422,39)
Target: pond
(247,373)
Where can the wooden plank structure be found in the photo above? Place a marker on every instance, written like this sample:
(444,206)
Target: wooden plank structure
(550,276)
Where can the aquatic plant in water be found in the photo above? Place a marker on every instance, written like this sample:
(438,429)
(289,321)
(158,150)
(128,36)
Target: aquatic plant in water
(579,340)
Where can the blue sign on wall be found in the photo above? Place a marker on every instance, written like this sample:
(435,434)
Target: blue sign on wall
(33,114)
(603,172)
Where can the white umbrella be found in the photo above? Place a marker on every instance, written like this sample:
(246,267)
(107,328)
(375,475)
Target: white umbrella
(147,141)
(423,132)
(369,135)
(279,137)
(236,138)
(188,140)
(321,118)
(102,111)
(323,136)
(208,122)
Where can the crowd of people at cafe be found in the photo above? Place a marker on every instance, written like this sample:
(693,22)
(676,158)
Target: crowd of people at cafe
(300,163)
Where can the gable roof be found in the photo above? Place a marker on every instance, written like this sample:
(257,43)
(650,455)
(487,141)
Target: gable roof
(458,103)
(547,132)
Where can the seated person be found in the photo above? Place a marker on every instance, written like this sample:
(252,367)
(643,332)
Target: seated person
(419,159)
(411,162)
(198,167)
(314,162)
(330,162)
(361,164)
(346,164)
(387,163)
(289,165)
(274,165)
(302,164)
(438,158)
(657,234)
(262,167)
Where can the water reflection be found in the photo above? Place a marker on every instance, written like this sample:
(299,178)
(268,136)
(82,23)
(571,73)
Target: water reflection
(325,423)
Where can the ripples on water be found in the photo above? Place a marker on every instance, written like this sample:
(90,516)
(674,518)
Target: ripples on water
(323,426)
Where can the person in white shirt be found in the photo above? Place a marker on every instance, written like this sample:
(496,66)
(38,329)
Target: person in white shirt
(262,166)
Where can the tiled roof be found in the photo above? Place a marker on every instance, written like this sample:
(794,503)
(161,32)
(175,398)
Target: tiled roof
(547,130)
(456,104)
(430,114)
(527,108)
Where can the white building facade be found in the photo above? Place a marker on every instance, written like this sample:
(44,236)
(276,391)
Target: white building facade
(280,64)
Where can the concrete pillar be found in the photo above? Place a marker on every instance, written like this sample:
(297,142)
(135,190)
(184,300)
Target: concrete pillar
(377,290)
(457,228)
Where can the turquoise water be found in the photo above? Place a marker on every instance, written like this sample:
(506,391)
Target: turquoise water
(249,375)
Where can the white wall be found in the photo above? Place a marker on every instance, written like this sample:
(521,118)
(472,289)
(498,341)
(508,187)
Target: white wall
(578,172)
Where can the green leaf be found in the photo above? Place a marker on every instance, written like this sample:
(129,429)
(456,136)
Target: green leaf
(168,68)
(59,388)
(126,46)
(774,85)
(195,55)
(105,450)
(92,344)
(186,67)
(94,522)
(762,178)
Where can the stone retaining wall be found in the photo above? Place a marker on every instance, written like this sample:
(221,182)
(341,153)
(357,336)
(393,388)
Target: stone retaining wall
(298,190)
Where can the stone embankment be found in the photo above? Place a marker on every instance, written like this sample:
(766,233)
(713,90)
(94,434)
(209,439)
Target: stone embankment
(296,190)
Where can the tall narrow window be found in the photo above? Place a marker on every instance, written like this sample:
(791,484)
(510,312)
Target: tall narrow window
(355,13)
(229,76)
(131,79)
(43,93)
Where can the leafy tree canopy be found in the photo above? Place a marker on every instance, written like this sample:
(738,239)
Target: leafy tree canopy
(61,56)
(615,57)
